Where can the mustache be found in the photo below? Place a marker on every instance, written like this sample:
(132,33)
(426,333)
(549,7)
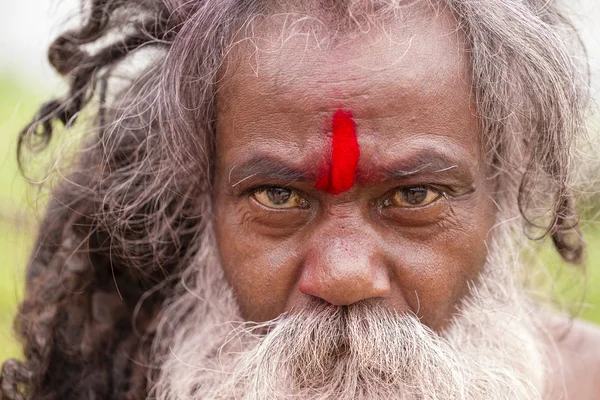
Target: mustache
(338,331)
(342,350)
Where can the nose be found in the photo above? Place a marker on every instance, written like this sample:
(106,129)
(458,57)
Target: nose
(344,267)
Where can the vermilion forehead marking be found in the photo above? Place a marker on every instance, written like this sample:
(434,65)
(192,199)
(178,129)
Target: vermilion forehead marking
(340,173)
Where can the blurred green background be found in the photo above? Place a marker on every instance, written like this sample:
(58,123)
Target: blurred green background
(18,102)
(19,202)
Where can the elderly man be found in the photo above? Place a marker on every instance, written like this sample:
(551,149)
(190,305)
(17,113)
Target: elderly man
(308,199)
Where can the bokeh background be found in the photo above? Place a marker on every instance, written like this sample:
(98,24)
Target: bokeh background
(26,79)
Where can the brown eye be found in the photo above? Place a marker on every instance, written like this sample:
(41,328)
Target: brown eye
(413,196)
(279,197)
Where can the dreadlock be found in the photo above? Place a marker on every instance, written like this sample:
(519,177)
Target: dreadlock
(81,293)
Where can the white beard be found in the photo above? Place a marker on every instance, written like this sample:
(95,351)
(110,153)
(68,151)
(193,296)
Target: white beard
(491,350)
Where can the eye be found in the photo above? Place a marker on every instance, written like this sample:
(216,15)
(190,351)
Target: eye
(413,196)
(279,197)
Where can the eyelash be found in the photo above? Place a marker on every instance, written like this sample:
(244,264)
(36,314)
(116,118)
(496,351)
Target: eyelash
(255,189)
(442,193)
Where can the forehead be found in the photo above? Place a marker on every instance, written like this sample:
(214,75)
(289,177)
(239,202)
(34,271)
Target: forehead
(404,80)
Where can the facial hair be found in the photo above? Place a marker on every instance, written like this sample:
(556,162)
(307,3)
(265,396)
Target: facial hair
(490,350)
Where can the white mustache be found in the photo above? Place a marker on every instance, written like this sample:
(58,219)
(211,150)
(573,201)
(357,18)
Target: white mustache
(344,352)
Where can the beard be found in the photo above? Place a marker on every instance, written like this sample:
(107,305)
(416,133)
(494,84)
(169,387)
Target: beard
(490,350)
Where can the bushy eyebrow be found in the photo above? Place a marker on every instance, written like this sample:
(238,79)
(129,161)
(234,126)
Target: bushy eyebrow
(420,162)
(265,167)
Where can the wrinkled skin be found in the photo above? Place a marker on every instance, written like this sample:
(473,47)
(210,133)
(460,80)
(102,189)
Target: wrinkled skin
(417,130)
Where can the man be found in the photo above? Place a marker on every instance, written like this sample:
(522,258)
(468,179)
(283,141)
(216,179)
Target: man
(311,199)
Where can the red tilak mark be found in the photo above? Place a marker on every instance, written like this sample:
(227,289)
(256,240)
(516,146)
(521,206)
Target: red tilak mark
(340,173)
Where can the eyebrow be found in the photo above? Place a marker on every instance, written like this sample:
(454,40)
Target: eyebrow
(263,166)
(421,162)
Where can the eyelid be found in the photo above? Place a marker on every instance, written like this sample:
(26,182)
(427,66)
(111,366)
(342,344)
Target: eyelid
(303,202)
(258,188)
(440,193)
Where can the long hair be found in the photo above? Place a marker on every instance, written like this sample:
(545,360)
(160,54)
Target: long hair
(136,203)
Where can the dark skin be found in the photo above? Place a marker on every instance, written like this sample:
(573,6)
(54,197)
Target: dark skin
(412,231)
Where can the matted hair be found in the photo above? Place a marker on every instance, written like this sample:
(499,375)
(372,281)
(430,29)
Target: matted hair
(136,204)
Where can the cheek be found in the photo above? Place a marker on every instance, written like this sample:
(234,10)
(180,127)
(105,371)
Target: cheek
(437,278)
(433,270)
(261,270)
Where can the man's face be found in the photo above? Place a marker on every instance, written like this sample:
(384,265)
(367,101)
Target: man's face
(411,233)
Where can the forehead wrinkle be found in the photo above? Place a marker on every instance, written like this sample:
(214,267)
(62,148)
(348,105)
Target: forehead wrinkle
(323,80)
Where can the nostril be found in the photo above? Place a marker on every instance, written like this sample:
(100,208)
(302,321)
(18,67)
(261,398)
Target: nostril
(305,287)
